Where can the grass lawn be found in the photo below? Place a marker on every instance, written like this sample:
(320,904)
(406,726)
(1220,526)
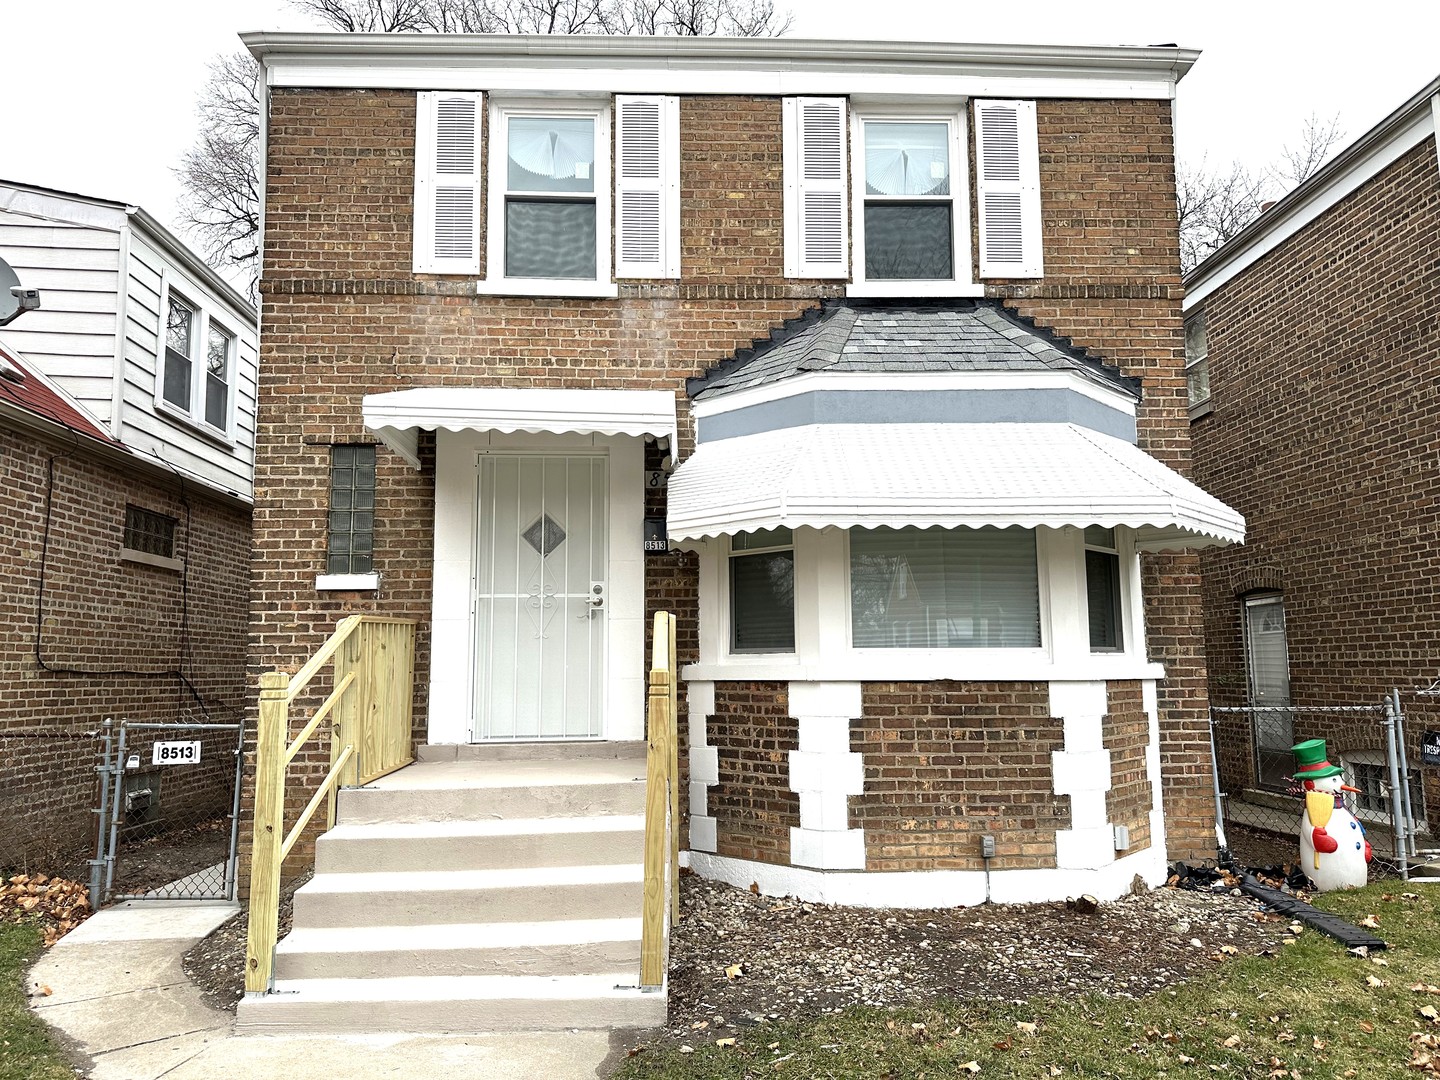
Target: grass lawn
(26,1050)
(1311,1011)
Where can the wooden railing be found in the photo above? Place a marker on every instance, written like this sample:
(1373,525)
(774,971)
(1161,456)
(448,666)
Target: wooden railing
(369,713)
(662,795)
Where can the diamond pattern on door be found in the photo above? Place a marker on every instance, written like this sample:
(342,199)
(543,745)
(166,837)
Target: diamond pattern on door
(545,535)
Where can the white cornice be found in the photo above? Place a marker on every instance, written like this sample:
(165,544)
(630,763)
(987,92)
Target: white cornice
(715,65)
(1373,152)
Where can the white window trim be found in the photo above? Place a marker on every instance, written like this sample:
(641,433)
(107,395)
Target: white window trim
(194,418)
(823,644)
(347,582)
(163,562)
(1377,757)
(495,283)
(962,240)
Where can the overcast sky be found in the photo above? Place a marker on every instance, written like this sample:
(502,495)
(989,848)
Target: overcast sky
(99,94)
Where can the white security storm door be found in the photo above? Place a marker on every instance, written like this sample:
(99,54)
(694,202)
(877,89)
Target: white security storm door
(540,600)
(1268,662)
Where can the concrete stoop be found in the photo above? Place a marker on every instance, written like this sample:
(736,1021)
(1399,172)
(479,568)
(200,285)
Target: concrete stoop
(471,893)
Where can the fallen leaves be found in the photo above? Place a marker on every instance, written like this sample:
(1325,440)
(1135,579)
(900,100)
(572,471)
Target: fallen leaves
(1371,922)
(735,971)
(58,904)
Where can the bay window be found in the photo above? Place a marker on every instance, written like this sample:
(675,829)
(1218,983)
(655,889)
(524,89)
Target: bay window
(762,591)
(1102,590)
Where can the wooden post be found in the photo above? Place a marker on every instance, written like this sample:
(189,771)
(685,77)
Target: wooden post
(673,710)
(270,738)
(657,792)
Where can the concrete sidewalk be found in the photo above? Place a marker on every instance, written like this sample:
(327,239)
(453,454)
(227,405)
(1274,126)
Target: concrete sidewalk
(119,993)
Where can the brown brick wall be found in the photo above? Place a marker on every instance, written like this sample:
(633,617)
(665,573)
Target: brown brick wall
(344,316)
(947,762)
(101,617)
(1323,381)
(753,805)
(1126,734)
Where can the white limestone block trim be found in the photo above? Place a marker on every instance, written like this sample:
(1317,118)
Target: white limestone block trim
(825,699)
(824,734)
(931,888)
(843,773)
(828,850)
(1082,771)
(828,810)
(1150,697)
(704,763)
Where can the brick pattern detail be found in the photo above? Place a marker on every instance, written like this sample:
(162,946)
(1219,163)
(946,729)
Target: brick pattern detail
(946,762)
(753,806)
(104,614)
(1322,371)
(1126,735)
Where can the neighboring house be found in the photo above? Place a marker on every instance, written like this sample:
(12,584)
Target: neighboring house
(127,423)
(933,577)
(1313,342)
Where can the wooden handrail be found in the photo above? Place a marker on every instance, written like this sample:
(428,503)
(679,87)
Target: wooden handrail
(662,806)
(369,708)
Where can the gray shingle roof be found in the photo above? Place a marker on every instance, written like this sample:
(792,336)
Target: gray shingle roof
(849,336)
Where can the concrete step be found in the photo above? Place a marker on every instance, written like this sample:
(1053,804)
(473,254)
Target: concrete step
(462,1004)
(530,751)
(481,845)
(571,947)
(468,896)
(479,791)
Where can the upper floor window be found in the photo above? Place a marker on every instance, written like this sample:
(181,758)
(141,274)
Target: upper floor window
(204,399)
(909,217)
(549,199)
(1197,360)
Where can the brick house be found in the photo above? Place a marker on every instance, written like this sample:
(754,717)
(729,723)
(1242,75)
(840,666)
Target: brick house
(1313,341)
(883,339)
(126,502)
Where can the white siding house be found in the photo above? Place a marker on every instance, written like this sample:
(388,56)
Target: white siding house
(138,330)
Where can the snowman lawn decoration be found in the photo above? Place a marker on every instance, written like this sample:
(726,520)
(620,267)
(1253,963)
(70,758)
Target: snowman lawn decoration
(1333,848)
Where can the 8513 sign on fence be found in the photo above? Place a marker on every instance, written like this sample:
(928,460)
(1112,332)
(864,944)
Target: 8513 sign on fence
(176,753)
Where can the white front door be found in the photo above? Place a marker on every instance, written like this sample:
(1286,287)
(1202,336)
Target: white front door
(540,596)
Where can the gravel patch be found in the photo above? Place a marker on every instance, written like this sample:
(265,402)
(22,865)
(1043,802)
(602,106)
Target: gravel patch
(216,964)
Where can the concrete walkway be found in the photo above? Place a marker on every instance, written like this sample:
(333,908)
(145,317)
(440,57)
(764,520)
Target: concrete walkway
(119,993)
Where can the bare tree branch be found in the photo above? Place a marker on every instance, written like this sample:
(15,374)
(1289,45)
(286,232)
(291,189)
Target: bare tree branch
(220,199)
(1298,163)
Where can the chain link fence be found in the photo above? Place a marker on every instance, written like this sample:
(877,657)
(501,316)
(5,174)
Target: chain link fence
(49,789)
(168,812)
(1259,804)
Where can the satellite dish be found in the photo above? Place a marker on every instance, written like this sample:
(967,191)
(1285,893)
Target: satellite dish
(9,302)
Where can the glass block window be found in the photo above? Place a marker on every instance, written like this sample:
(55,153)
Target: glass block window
(147,531)
(944,589)
(352,510)
(762,592)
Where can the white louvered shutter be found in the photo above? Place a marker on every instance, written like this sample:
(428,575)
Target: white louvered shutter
(447,182)
(816,240)
(647,187)
(1007,182)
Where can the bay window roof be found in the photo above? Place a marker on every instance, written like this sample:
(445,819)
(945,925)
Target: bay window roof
(948,475)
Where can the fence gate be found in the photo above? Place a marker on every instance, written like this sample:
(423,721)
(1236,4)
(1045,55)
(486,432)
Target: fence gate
(1257,803)
(169,812)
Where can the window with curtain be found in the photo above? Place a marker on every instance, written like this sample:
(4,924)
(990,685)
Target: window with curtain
(909,207)
(550,214)
(762,591)
(944,589)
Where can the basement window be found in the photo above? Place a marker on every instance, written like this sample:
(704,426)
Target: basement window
(149,538)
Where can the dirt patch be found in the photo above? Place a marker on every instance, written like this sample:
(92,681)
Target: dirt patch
(738,959)
(146,863)
(216,964)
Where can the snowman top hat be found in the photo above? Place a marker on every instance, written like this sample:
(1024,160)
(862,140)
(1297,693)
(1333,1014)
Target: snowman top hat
(1310,761)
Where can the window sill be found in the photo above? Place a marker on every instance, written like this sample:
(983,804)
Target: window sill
(347,582)
(596,290)
(908,289)
(1205,408)
(178,416)
(980,665)
(161,562)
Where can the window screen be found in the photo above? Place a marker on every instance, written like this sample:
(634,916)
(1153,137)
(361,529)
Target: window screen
(352,510)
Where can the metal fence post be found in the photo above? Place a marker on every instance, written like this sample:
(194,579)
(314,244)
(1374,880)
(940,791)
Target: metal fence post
(232,861)
(1220,839)
(1405,802)
(102,831)
(1397,813)
(115,811)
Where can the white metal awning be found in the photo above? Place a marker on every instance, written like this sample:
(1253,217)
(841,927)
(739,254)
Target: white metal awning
(398,417)
(946,475)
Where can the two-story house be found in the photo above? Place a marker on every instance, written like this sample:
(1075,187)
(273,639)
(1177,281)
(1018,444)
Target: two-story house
(863,358)
(1313,353)
(127,419)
